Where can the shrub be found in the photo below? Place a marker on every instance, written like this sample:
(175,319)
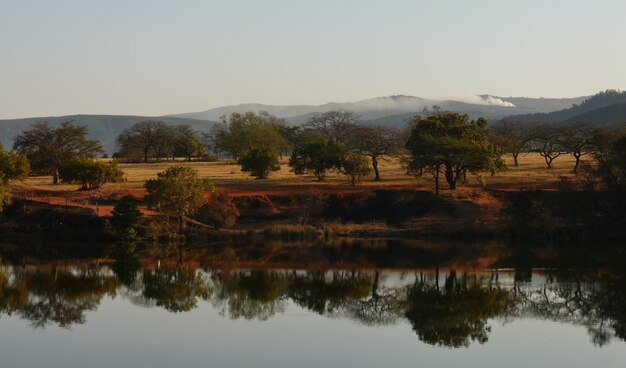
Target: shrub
(89,173)
(259,161)
(220,211)
(356,166)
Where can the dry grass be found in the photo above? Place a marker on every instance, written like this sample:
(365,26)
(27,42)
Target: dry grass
(531,173)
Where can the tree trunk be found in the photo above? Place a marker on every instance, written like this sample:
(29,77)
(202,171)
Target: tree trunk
(145,156)
(515,158)
(181,224)
(577,157)
(55,177)
(375,166)
(437,181)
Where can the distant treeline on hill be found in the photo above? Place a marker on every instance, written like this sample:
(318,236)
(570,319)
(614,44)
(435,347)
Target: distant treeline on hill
(604,108)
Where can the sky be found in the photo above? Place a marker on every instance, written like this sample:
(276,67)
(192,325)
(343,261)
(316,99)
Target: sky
(152,57)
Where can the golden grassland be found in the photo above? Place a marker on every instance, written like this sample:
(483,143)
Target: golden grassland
(531,173)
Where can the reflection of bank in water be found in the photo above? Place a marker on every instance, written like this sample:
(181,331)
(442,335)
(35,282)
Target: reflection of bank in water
(445,307)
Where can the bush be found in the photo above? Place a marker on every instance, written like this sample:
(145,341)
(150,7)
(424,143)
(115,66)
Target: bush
(89,173)
(259,161)
(220,211)
(317,157)
(356,166)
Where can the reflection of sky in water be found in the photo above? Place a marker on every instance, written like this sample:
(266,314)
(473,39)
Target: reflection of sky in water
(122,334)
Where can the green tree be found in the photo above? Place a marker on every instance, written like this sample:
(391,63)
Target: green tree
(259,161)
(91,174)
(316,156)
(579,139)
(356,166)
(177,192)
(611,164)
(126,218)
(48,148)
(5,194)
(249,130)
(452,143)
(13,165)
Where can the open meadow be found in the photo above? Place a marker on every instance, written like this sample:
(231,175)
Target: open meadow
(531,173)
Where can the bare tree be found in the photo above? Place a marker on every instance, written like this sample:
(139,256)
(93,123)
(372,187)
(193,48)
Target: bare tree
(146,136)
(333,125)
(547,141)
(513,137)
(376,141)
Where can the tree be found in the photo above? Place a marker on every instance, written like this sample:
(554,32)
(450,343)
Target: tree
(186,142)
(377,142)
(259,161)
(177,192)
(220,211)
(214,139)
(5,194)
(333,125)
(249,130)
(91,174)
(513,137)
(452,143)
(13,165)
(126,218)
(316,155)
(49,148)
(147,137)
(579,139)
(356,166)
(547,141)
(611,164)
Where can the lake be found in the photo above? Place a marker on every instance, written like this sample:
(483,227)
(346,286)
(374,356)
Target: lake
(87,313)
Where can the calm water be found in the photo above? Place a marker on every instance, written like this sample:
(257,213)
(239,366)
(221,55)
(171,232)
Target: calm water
(73,315)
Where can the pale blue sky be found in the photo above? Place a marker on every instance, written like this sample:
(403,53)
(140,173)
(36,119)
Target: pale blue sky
(157,57)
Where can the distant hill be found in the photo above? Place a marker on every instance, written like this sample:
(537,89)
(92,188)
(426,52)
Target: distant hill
(609,115)
(596,102)
(384,108)
(389,110)
(105,128)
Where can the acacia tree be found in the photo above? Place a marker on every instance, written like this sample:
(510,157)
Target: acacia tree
(378,142)
(177,192)
(547,141)
(48,148)
(452,143)
(579,139)
(513,137)
(333,125)
(91,174)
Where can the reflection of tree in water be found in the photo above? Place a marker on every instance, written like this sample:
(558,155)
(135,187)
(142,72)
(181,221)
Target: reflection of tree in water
(55,297)
(251,294)
(175,289)
(455,314)
(599,304)
(383,306)
(326,294)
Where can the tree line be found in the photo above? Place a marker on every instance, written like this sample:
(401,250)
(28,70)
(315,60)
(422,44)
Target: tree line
(441,144)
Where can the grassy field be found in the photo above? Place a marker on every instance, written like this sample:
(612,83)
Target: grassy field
(532,173)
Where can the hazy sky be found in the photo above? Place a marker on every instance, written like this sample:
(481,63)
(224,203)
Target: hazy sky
(157,57)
